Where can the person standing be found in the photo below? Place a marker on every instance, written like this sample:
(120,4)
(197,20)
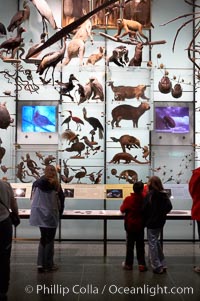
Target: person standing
(156,206)
(46,208)
(194,190)
(134,225)
(7,200)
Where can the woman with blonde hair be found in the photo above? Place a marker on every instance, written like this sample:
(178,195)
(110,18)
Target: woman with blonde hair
(156,206)
(46,208)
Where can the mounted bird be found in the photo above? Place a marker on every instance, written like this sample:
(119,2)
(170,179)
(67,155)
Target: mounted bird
(88,142)
(94,122)
(80,174)
(65,88)
(12,44)
(46,13)
(51,59)
(19,17)
(70,136)
(2,30)
(30,51)
(77,120)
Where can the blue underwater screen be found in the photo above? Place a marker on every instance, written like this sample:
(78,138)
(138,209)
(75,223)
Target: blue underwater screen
(172,119)
(39,118)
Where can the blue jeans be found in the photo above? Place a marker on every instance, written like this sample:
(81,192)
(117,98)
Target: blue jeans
(46,247)
(157,257)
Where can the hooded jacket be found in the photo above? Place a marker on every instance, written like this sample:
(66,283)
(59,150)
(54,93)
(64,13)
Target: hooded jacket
(132,206)
(47,204)
(156,206)
(194,189)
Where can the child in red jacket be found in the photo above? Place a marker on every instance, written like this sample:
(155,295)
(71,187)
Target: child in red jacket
(132,206)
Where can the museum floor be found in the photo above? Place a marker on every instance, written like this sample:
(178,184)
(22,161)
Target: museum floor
(85,275)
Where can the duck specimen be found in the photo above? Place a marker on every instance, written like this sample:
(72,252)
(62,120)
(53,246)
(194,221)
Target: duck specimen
(65,88)
(12,44)
(94,122)
(51,59)
(19,17)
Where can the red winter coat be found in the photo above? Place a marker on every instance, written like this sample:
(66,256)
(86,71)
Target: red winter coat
(194,189)
(132,206)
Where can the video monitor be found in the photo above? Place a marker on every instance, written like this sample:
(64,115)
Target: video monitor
(37,122)
(173,123)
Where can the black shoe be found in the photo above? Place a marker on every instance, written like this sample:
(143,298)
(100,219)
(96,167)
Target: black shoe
(158,271)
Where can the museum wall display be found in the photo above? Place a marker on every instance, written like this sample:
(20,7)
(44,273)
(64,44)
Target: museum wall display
(109,102)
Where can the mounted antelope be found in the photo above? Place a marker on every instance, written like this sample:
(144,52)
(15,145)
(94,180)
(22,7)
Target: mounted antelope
(76,47)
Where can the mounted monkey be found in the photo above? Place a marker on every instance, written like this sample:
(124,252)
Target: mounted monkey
(131,27)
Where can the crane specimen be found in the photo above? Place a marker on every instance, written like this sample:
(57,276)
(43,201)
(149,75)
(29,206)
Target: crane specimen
(19,17)
(95,123)
(46,13)
(76,119)
(51,59)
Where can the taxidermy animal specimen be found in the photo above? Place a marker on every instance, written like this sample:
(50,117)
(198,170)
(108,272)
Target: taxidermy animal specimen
(127,92)
(137,59)
(51,59)
(46,13)
(65,88)
(88,142)
(19,17)
(145,152)
(34,47)
(97,89)
(177,91)
(80,174)
(70,136)
(94,122)
(66,178)
(72,26)
(2,29)
(32,166)
(2,151)
(95,57)
(129,175)
(76,47)
(22,172)
(77,120)
(165,85)
(76,147)
(128,112)
(5,119)
(119,56)
(127,141)
(12,44)
(130,27)
(126,157)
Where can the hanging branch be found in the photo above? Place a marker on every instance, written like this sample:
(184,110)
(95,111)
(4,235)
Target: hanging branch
(130,42)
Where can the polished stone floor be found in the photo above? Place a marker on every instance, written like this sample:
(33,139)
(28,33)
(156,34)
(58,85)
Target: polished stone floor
(84,274)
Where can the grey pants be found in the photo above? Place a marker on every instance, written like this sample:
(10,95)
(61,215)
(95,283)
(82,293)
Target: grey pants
(157,257)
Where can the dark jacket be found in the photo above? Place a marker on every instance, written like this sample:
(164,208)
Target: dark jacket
(132,206)
(156,206)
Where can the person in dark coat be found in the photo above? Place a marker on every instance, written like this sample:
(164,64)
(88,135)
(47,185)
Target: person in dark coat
(7,200)
(194,190)
(134,225)
(156,206)
(46,208)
